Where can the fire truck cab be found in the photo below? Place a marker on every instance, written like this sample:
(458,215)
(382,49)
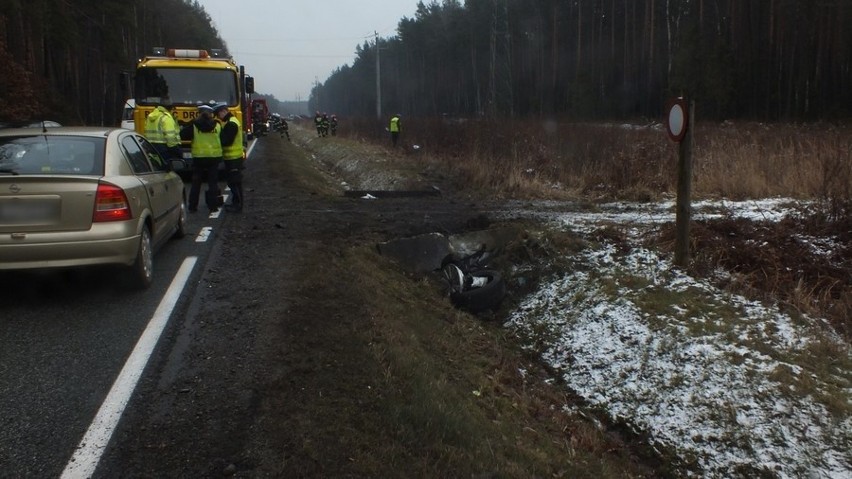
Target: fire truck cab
(186,79)
(259,117)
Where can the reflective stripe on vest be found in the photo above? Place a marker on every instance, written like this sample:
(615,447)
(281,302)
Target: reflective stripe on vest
(207,145)
(170,130)
(234,150)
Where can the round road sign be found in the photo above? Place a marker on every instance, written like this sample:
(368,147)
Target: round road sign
(677,118)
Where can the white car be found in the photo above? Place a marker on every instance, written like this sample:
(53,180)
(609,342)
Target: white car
(79,196)
(127,114)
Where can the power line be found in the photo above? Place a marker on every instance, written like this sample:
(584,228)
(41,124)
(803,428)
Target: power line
(289,55)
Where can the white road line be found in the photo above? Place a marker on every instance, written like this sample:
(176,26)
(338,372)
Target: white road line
(204,234)
(89,451)
(250,147)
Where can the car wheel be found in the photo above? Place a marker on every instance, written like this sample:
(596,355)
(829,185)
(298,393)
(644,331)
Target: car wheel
(454,277)
(142,271)
(487,296)
(180,230)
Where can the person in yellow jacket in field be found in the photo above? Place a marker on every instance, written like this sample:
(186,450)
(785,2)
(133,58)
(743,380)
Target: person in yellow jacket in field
(231,138)
(162,131)
(395,128)
(206,155)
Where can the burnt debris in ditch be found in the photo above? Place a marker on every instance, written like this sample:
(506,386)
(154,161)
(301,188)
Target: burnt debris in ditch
(462,261)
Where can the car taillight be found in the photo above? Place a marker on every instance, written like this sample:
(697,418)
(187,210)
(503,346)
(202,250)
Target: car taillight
(111,204)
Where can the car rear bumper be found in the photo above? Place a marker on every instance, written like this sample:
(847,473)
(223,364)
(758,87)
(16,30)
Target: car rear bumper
(105,243)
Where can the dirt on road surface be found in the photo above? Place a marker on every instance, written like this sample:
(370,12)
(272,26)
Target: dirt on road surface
(309,354)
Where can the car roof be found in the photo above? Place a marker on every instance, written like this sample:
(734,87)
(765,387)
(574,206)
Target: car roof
(30,124)
(95,131)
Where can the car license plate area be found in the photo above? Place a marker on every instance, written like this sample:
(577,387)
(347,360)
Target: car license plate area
(30,210)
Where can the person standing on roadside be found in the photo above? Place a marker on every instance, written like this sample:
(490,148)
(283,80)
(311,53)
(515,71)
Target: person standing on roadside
(395,128)
(318,123)
(332,123)
(206,155)
(324,123)
(231,138)
(162,131)
(279,124)
(285,128)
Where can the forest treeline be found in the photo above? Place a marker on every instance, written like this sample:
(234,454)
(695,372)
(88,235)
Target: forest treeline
(62,59)
(580,59)
(595,59)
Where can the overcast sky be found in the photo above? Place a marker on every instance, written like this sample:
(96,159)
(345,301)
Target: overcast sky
(287,45)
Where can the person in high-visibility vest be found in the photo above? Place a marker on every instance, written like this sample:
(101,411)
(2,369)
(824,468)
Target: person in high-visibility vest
(231,138)
(206,155)
(395,127)
(161,129)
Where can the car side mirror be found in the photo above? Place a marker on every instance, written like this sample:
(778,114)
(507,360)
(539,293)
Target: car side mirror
(176,164)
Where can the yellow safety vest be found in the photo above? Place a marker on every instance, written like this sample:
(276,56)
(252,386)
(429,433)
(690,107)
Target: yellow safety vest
(394,124)
(161,127)
(234,151)
(152,127)
(207,145)
(169,127)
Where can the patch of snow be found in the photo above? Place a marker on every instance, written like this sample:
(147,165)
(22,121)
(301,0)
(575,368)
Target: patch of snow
(695,381)
(636,218)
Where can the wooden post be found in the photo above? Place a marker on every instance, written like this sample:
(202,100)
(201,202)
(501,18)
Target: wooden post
(684,192)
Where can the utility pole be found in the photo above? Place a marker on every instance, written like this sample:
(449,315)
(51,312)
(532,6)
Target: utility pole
(378,79)
(317,93)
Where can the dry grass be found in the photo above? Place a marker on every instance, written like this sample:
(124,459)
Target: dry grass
(450,387)
(758,160)
(437,393)
(550,160)
(777,262)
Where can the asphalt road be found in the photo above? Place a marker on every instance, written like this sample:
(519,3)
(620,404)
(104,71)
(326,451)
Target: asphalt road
(64,338)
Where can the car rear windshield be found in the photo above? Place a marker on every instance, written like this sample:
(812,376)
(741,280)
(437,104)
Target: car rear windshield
(51,155)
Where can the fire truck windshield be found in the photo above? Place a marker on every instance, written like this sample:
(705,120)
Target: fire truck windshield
(186,86)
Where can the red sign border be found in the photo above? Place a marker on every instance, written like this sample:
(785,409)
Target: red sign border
(684,106)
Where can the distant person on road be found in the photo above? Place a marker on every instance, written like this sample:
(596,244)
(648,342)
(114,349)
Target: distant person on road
(206,155)
(231,138)
(162,131)
(285,128)
(395,128)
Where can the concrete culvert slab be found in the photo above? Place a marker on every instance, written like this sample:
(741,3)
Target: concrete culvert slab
(418,254)
(424,253)
(493,239)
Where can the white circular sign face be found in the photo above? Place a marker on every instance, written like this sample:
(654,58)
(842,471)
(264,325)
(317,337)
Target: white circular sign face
(676,120)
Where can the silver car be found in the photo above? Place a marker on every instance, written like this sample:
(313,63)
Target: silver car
(79,196)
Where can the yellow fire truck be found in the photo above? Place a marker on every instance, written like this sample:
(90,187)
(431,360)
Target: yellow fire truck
(187,79)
